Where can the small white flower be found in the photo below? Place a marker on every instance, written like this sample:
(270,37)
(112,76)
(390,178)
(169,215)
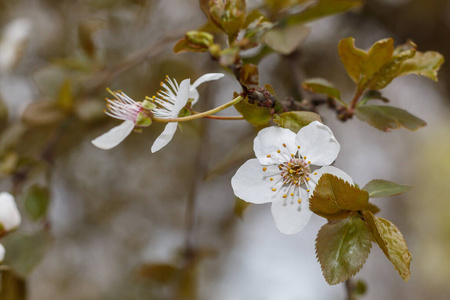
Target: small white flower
(122,108)
(282,173)
(171,100)
(2,253)
(9,214)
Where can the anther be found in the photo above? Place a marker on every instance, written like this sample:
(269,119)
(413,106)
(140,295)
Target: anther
(307,190)
(264,169)
(161,83)
(284,145)
(274,189)
(278,151)
(299,200)
(309,162)
(292,194)
(292,155)
(284,196)
(307,178)
(315,173)
(304,157)
(298,147)
(269,156)
(271,179)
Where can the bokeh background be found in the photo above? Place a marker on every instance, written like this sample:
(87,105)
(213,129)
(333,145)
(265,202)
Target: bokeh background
(128,224)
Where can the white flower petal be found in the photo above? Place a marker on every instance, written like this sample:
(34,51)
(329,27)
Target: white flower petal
(318,144)
(164,138)
(271,139)
(115,136)
(252,184)
(327,170)
(182,98)
(193,94)
(205,78)
(9,214)
(290,216)
(2,253)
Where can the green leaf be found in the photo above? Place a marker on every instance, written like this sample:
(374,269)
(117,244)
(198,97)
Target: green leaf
(323,8)
(254,114)
(386,118)
(296,120)
(239,207)
(25,251)
(184,45)
(286,39)
(391,241)
(321,86)
(249,75)
(353,58)
(378,55)
(383,188)
(426,64)
(342,248)
(37,200)
(334,198)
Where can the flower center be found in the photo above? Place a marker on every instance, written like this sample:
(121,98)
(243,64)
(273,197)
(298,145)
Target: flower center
(294,172)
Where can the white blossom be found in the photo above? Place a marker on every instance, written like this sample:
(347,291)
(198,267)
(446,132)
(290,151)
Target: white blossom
(282,172)
(122,108)
(171,99)
(9,214)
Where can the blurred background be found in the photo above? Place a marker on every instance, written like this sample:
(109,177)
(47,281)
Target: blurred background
(128,224)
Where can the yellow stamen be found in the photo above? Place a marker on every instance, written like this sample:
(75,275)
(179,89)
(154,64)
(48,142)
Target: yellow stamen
(292,194)
(307,178)
(278,151)
(315,173)
(271,179)
(284,145)
(298,147)
(309,162)
(304,157)
(274,189)
(161,83)
(284,196)
(292,155)
(268,156)
(264,169)
(307,190)
(299,200)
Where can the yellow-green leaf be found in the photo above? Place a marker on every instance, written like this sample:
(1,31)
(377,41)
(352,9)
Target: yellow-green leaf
(342,248)
(334,198)
(378,55)
(372,208)
(256,115)
(296,120)
(426,64)
(353,58)
(386,118)
(321,86)
(391,241)
(383,188)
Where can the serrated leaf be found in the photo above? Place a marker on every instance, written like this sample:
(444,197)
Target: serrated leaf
(391,241)
(386,118)
(239,207)
(254,114)
(353,58)
(334,198)
(286,39)
(321,86)
(323,8)
(37,200)
(342,248)
(383,188)
(296,120)
(25,251)
(426,64)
